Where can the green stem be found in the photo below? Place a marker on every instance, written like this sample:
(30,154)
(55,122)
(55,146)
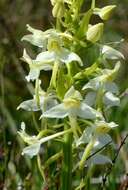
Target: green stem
(35,122)
(58,24)
(67,163)
(37,86)
(40,168)
(99,97)
(93,4)
(75,127)
(54,75)
(86,153)
(53,159)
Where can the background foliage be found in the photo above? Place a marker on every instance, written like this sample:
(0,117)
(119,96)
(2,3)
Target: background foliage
(15,170)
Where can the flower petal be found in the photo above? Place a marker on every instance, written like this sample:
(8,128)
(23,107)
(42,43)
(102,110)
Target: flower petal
(58,111)
(26,57)
(93,84)
(102,127)
(111,100)
(36,40)
(85,137)
(73,93)
(27,138)
(99,159)
(33,74)
(37,37)
(32,150)
(46,57)
(90,98)
(31,105)
(112,87)
(111,53)
(86,112)
(67,57)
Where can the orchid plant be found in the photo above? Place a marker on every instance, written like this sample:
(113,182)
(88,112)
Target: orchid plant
(74,106)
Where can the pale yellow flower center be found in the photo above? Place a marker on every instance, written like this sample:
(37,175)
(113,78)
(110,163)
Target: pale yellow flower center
(53,45)
(102,128)
(71,103)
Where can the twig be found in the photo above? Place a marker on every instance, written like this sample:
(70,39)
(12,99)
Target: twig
(124,184)
(113,162)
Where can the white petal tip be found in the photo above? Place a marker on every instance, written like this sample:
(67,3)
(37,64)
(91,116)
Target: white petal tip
(41,117)
(18,108)
(27,78)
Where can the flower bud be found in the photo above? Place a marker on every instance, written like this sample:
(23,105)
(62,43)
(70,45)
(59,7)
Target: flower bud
(95,32)
(53,2)
(105,12)
(58,10)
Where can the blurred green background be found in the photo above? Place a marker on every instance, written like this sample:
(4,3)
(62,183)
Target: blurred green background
(15,170)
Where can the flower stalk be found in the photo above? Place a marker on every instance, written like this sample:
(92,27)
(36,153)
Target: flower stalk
(67,162)
(54,75)
(86,153)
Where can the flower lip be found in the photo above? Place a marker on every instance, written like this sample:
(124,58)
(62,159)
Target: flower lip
(71,103)
(102,127)
(53,45)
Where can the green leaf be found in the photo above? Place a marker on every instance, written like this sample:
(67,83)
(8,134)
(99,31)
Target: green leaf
(95,32)
(90,70)
(84,24)
(111,53)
